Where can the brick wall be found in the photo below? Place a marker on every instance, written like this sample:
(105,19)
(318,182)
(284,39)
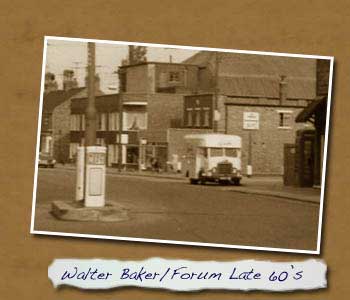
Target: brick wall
(137,79)
(61,128)
(61,131)
(267,142)
(161,110)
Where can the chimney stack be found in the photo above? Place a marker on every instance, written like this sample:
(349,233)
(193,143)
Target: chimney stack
(283,89)
(69,81)
(50,83)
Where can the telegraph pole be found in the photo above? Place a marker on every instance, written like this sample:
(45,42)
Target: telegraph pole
(90,113)
(95,156)
(120,120)
(216,93)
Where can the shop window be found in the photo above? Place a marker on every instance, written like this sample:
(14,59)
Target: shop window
(112,154)
(206,117)
(197,122)
(132,155)
(189,117)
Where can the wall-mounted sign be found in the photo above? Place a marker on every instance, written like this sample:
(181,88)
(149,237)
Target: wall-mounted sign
(251,120)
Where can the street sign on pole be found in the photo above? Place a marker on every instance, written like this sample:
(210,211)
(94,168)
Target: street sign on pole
(251,120)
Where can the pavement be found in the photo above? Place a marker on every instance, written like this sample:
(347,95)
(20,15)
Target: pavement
(255,185)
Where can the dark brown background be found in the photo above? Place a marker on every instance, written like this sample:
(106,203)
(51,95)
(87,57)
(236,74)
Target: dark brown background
(308,27)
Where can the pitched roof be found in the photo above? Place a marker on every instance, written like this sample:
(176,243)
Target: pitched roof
(55,98)
(259,75)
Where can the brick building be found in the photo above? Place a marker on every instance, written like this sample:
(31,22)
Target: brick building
(162,87)
(232,87)
(53,134)
(208,92)
(108,132)
(55,125)
(151,100)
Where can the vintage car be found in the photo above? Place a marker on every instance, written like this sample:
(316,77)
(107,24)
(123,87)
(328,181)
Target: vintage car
(46,160)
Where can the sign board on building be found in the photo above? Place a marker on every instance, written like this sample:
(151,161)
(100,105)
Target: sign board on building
(251,120)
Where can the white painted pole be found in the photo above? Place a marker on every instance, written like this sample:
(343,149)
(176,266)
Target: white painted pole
(79,192)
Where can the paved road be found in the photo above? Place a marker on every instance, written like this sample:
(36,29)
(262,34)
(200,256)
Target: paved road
(173,210)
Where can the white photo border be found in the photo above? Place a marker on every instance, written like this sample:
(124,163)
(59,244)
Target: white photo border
(214,245)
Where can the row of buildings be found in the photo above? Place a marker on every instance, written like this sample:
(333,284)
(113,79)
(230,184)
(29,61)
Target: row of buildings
(257,97)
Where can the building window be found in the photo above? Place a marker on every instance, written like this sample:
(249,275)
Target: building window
(189,117)
(134,120)
(174,76)
(101,122)
(132,155)
(206,116)
(82,122)
(112,154)
(197,122)
(75,122)
(113,121)
(285,119)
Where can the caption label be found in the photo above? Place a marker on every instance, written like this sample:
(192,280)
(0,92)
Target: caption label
(182,275)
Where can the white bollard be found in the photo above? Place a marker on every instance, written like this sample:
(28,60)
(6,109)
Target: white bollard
(249,170)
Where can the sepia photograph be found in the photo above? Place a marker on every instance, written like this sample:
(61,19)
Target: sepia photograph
(182,145)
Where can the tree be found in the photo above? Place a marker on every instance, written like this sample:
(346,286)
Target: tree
(137,54)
